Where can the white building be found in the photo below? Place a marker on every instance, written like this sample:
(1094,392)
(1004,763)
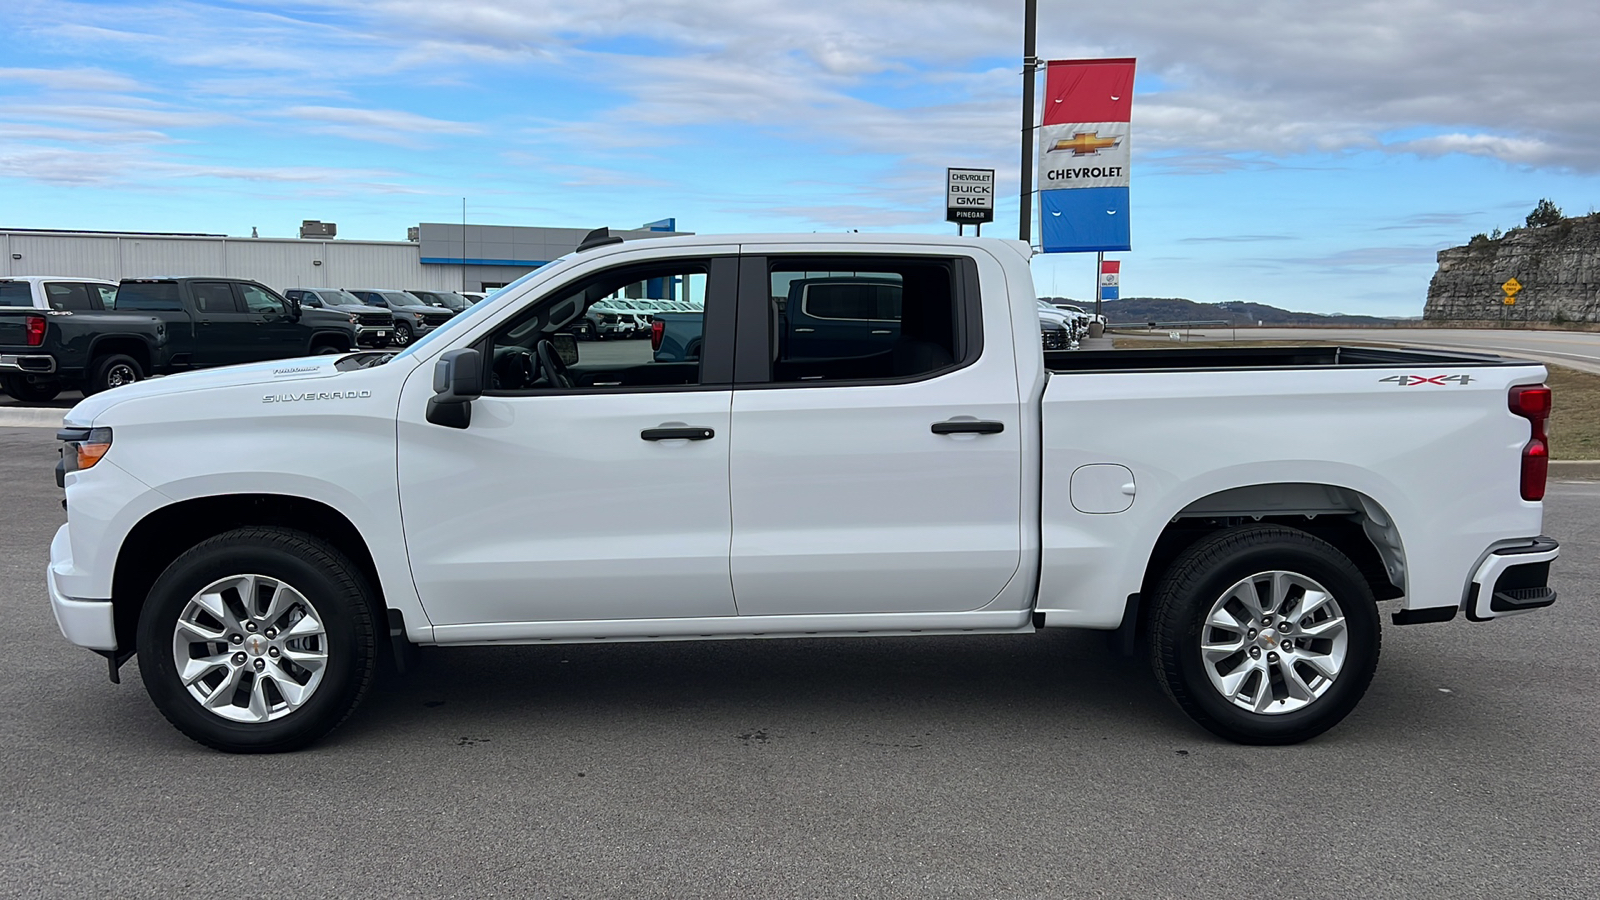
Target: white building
(443,257)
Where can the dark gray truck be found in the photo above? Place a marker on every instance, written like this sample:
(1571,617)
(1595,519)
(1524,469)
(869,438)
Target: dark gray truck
(159,326)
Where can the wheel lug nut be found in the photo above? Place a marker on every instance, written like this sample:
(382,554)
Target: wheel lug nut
(260,664)
(236,638)
(1252,632)
(271,632)
(1271,657)
(272,652)
(1287,646)
(238,659)
(250,626)
(1255,652)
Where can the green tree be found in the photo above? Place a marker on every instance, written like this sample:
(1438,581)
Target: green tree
(1546,213)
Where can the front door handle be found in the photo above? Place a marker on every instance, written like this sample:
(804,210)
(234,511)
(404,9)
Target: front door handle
(968,426)
(677,434)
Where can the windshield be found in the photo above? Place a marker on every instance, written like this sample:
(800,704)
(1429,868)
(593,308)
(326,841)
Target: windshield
(339,298)
(400,298)
(470,315)
(447,299)
(15,293)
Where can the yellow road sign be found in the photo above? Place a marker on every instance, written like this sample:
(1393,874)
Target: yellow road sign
(1511,287)
(1510,300)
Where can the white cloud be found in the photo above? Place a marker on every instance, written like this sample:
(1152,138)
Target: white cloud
(80,79)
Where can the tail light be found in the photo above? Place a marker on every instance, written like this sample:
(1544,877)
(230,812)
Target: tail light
(657,329)
(1532,402)
(35,326)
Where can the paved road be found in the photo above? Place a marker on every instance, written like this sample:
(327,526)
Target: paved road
(1009,766)
(1574,349)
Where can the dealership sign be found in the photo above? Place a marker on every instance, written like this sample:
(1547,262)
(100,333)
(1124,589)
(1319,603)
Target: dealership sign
(969,196)
(1084,154)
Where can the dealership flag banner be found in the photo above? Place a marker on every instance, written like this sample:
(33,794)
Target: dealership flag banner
(1083,155)
(1110,274)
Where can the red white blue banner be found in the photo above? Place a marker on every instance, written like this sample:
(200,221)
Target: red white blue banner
(1110,275)
(1084,154)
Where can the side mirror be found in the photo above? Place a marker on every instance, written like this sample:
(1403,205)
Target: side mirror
(294,309)
(457,381)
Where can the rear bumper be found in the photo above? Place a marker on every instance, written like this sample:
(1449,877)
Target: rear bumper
(87,623)
(32,364)
(1513,580)
(1508,581)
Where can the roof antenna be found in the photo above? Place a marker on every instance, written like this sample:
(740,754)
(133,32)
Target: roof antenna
(598,238)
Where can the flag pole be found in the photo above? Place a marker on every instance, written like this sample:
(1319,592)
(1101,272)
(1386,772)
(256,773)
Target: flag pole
(1099,266)
(1030,24)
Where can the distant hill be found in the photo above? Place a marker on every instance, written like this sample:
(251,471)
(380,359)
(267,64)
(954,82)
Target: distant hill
(1177,309)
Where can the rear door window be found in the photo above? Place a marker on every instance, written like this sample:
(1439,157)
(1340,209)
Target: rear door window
(214,297)
(66,295)
(106,294)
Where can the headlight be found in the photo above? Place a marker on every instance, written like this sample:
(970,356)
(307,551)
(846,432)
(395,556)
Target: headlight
(355,319)
(83,448)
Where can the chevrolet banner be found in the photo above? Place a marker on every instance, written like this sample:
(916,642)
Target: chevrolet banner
(1083,155)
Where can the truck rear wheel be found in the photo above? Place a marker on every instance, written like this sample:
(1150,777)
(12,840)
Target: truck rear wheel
(259,640)
(114,370)
(21,388)
(1265,634)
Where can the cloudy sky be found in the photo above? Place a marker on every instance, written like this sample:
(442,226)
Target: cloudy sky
(1312,156)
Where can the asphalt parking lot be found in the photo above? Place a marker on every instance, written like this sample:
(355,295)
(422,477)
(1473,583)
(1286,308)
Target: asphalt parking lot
(1008,766)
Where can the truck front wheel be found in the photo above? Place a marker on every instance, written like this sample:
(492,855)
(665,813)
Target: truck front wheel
(259,640)
(114,370)
(1265,634)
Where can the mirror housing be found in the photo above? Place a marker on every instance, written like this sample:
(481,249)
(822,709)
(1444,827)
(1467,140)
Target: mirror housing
(457,381)
(294,309)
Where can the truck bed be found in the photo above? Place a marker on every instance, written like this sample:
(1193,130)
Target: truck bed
(1229,358)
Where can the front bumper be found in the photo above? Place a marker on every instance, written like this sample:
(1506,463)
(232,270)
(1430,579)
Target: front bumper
(87,623)
(373,335)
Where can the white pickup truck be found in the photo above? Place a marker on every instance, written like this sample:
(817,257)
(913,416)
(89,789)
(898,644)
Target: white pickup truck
(261,535)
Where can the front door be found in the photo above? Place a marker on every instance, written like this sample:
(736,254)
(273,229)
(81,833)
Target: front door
(279,336)
(886,479)
(225,333)
(584,489)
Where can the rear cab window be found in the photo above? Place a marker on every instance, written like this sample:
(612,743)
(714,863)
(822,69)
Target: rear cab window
(16,293)
(151,296)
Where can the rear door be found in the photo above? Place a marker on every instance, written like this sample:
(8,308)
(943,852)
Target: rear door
(887,480)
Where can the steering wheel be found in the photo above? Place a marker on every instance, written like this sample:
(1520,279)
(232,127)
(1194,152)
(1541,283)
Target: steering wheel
(555,371)
(516,369)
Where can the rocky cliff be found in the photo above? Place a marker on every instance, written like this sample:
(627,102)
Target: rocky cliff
(1558,266)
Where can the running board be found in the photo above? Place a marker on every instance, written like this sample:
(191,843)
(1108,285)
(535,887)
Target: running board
(727,627)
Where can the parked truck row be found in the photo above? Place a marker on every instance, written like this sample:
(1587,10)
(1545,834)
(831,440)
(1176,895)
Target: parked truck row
(91,335)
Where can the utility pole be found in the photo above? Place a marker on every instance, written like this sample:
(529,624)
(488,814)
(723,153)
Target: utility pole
(1030,24)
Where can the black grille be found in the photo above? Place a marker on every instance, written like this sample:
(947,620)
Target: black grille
(436,318)
(1054,340)
(375,318)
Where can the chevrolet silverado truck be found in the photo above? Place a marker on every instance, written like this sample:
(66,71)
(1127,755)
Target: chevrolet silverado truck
(46,351)
(260,536)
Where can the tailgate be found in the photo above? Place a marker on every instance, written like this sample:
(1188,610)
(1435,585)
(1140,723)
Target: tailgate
(14,329)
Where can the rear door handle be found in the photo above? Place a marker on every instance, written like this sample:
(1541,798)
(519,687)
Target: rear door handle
(968,426)
(677,434)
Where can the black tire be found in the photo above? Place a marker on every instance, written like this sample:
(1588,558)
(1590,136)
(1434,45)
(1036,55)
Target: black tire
(112,370)
(1203,575)
(402,334)
(20,388)
(320,573)
(327,350)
